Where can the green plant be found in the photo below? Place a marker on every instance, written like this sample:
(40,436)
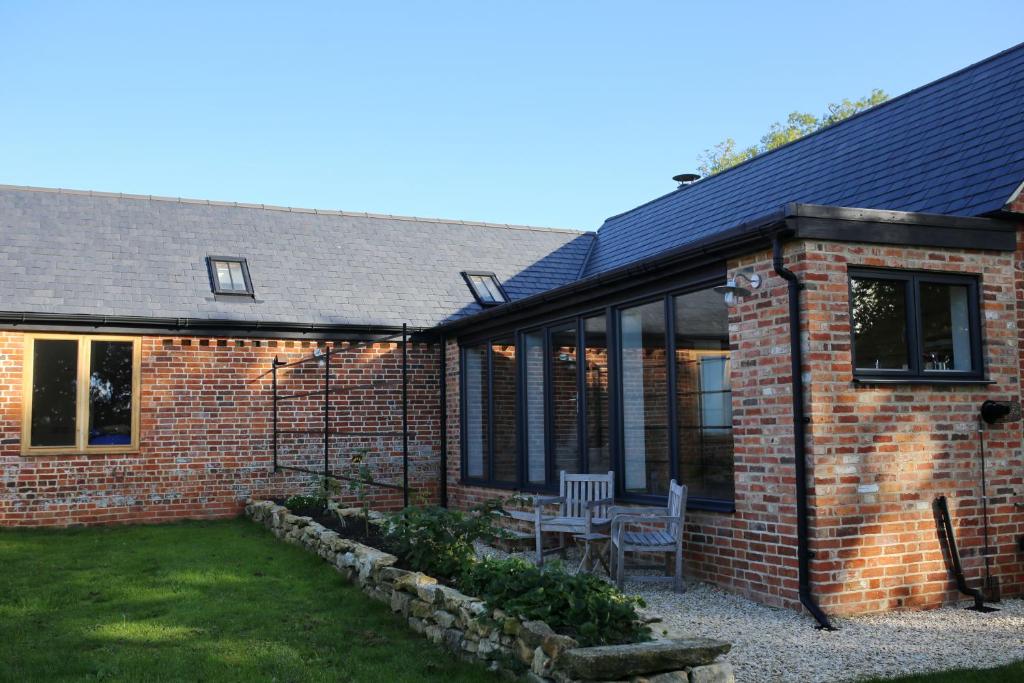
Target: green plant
(359,484)
(308,506)
(582,605)
(439,541)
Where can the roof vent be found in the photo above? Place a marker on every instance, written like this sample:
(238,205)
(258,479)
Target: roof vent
(685,179)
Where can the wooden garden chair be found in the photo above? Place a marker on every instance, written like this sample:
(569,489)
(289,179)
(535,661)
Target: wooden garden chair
(583,501)
(650,531)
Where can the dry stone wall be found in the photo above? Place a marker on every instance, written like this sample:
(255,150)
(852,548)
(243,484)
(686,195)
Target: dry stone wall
(472,630)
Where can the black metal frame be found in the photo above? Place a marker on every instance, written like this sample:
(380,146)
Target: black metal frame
(610,312)
(467,275)
(913,279)
(326,431)
(215,283)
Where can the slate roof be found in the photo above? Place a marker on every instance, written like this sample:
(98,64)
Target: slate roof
(120,255)
(954,146)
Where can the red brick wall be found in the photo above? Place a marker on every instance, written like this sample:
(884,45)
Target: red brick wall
(206,433)
(883,453)
(877,455)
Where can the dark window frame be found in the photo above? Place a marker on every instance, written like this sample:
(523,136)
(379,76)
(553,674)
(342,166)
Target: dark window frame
(488,479)
(610,310)
(215,287)
(915,374)
(468,276)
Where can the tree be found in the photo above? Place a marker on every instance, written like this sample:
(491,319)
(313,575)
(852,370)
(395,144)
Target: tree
(798,124)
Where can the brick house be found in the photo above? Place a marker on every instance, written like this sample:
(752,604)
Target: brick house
(805,340)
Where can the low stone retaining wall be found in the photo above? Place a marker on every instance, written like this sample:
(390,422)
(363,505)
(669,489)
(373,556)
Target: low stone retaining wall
(469,628)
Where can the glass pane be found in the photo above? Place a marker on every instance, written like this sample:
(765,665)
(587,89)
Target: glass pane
(704,396)
(475,374)
(879,324)
(595,379)
(533,343)
(482,290)
(564,397)
(644,399)
(223,275)
(503,358)
(110,393)
(492,289)
(54,392)
(946,329)
(237,279)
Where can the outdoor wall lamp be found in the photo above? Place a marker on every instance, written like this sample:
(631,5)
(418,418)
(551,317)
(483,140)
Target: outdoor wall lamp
(731,290)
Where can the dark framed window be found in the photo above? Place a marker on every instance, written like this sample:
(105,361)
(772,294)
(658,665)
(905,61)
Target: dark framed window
(229,275)
(915,326)
(486,288)
(641,387)
(490,389)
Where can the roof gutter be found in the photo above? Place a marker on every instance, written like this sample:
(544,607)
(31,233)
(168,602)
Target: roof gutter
(192,325)
(740,239)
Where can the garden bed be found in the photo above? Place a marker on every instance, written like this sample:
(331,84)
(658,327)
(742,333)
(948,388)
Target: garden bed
(476,629)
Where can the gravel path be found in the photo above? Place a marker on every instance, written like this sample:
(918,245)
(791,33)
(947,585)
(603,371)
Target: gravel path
(771,644)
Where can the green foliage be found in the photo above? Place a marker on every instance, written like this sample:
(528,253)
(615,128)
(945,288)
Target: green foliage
(308,506)
(361,481)
(592,611)
(439,541)
(798,124)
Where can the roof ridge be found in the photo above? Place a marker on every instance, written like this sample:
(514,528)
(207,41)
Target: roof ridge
(877,107)
(290,209)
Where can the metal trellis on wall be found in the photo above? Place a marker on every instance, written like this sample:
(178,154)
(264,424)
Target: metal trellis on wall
(324,358)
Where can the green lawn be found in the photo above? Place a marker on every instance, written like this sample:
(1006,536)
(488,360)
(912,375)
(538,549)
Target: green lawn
(197,601)
(1003,674)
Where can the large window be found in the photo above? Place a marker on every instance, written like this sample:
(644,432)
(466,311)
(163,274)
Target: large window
(643,360)
(915,326)
(597,432)
(489,389)
(704,437)
(81,394)
(641,389)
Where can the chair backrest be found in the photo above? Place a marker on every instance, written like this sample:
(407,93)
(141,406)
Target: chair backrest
(580,489)
(676,508)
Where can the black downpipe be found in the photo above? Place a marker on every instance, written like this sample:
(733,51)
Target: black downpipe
(799,438)
(443,386)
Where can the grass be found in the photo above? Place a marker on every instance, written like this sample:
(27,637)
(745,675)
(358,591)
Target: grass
(1002,674)
(196,601)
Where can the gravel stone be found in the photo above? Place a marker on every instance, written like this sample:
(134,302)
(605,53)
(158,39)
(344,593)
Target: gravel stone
(771,644)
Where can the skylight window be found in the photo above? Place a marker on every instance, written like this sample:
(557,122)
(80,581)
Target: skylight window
(229,275)
(486,288)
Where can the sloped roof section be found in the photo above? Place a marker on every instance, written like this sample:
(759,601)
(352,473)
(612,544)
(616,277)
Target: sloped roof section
(955,146)
(83,253)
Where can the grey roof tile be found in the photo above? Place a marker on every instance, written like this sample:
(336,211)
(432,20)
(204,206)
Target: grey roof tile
(954,146)
(118,255)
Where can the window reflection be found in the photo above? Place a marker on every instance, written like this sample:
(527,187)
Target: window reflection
(703,396)
(643,363)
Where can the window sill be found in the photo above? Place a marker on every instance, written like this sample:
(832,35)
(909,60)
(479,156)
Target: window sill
(50,452)
(946,381)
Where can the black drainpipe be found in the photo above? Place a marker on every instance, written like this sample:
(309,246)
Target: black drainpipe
(443,392)
(800,420)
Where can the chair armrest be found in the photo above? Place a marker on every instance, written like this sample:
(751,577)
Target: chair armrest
(541,501)
(624,519)
(591,504)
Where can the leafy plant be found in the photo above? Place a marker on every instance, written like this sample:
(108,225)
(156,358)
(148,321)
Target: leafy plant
(439,541)
(360,485)
(592,611)
(308,506)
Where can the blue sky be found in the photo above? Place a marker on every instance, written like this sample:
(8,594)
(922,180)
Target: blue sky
(544,113)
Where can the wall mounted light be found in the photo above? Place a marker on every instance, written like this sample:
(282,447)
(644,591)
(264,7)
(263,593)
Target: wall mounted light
(732,290)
